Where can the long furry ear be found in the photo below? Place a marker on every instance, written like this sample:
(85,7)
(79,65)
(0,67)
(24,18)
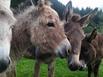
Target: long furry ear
(43,2)
(32,3)
(93,13)
(5,3)
(7,17)
(5,12)
(85,19)
(47,2)
(68,12)
(92,36)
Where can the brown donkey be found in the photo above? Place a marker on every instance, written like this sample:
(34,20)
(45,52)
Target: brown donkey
(6,21)
(74,25)
(92,52)
(39,27)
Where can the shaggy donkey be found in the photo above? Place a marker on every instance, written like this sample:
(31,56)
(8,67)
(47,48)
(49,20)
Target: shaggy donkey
(92,52)
(74,30)
(74,25)
(40,27)
(6,21)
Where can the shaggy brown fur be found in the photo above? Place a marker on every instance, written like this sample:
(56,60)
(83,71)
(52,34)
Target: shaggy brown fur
(40,27)
(74,31)
(92,52)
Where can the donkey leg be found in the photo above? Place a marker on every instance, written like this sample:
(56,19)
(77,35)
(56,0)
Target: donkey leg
(37,69)
(96,68)
(89,70)
(51,69)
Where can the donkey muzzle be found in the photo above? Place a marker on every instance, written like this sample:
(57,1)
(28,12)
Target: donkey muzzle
(74,63)
(63,49)
(4,63)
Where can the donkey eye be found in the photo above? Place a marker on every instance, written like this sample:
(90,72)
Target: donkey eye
(50,24)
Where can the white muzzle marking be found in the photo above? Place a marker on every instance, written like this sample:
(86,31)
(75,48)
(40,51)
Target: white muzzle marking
(5,40)
(4,49)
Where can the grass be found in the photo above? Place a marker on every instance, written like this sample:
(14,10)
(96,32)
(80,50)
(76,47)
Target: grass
(25,68)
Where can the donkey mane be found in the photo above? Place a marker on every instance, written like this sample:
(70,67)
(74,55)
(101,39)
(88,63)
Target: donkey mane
(75,17)
(23,23)
(29,13)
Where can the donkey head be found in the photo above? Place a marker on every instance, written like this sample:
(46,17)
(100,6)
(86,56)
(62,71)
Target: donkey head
(47,31)
(74,30)
(87,49)
(6,21)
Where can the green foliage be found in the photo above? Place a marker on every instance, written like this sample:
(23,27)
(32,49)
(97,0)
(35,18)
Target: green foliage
(25,68)
(88,29)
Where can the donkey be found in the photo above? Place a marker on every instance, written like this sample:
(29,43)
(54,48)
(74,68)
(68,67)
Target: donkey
(74,30)
(40,27)
(92,52)
(6,21)
(74,25)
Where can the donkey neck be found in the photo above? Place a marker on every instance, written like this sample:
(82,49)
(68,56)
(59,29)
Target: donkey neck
(20,36)
(20,42)
(97,43)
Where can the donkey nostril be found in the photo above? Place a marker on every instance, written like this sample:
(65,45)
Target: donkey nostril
(75,66)
(9,62)
(68,52)
(4,64)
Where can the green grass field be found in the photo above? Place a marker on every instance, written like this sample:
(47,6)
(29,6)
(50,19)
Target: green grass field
(25,68)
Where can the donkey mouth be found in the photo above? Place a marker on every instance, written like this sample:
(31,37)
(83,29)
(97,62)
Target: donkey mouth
(73,67)
(81,66)
(63,53)
(63,49)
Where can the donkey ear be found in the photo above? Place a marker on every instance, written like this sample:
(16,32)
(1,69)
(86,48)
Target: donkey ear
(68,12)
(43,2)
(6,17)
(92,36)
(84,21)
